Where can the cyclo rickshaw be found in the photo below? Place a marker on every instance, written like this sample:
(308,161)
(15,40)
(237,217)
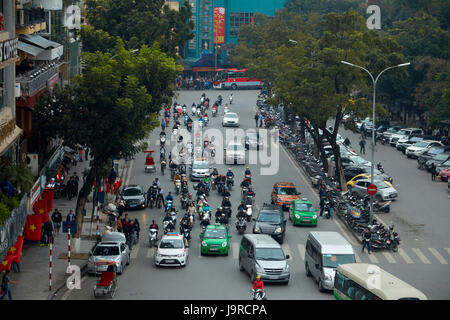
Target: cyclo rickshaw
(149,161)
(107,285)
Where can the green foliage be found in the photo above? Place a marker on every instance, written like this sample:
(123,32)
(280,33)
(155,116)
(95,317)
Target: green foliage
(96,40)
(322,6)
(4,212)
(19,175)
(11,203)
(142,22)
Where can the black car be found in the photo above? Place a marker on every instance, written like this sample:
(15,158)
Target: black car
(423,158)
(133,196)
(271,221)
(352,171)
(437,160)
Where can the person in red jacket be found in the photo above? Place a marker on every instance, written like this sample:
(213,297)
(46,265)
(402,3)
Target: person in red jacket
(258,284)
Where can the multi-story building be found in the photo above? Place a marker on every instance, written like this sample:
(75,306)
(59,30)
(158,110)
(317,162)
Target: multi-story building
(9,131)
(202,47)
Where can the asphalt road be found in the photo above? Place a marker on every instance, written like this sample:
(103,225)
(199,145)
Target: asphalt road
(216,277)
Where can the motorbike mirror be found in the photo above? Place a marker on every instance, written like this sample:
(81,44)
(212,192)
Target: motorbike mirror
(288,256)
(253,219)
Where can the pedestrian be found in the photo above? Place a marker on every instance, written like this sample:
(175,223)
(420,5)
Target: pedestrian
(433,172)
(112,177)
(57,219)
(367,236)
(119,225)
(331,204)
(5,289)
(48,232)
(138,227)
(160,199)
(71,217)
(256,119)
(362,144)
(69,187)
(75,183)
(261,119)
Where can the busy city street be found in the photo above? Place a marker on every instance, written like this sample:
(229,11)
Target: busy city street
(420,215)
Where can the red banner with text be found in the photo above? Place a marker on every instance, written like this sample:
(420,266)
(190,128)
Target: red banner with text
(219,25)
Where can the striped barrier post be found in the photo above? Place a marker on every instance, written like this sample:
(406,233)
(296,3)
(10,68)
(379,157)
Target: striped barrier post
(68,248)
(98,219)
(50,265)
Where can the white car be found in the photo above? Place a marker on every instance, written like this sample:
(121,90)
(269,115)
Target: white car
(171,251)
(402,134)
(199,169)
(420,147)
(234,153)
(230,119)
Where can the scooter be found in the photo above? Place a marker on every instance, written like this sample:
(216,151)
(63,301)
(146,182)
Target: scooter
(162,140)
(168,205)
(248,177)
(249,212)
(177,186)
(152,237)
(230,183)
(382,206)
(241,225)
(258,294)
(187,236)
(194,110)
(214,112)
(380,167)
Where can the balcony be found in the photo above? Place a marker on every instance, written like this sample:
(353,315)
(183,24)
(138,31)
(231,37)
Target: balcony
(37,79)
(29,21)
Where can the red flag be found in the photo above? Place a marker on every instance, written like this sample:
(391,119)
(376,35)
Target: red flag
(40,209)
(33,227)
(6,263)
(18,249)
(117,186)
(48,196)
(107,185)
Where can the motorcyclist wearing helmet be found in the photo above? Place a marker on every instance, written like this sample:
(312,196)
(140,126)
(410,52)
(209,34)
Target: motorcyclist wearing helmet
(191,209)
(204,223)
(245,184)
(247,171)
(169,197)
(206,179)
(258,284)
(206,207)
(242,206)
(185,222)
(230,174)
(219,213)
(215,172)
(226,202)
(154,225)
(176,177)
(223,219)
(240,214)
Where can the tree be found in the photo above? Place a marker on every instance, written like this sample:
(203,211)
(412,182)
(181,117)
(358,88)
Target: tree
(96,40)
(109,108)
(143,22)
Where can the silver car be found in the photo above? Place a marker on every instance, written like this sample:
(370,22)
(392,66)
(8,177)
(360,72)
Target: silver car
(112,248)
(230,119)
(384,193)
(234,153)
(253,141)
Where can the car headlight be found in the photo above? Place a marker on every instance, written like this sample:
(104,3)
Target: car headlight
(224,244)
(286,269)
(204,244)
(327,277)
(180,255)
(278,230)
(315,216)
(256,229)
(297,216)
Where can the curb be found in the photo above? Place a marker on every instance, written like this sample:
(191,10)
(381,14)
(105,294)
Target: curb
(53,294)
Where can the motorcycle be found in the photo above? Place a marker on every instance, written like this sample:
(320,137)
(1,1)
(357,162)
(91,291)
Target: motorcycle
(187,236)
(382,206)
(231,100)
(175,131)
(162,140)
(169,204)
(177,186)
(183,200)
(248,177)
(163,166)
(214,111)
(199,112)
(225,110)
(152,237)
(241,225)
(189,126)
(380,167)
(249,212)
(167,228)
(206,120)
(258,294)
(194,110)
(230,183)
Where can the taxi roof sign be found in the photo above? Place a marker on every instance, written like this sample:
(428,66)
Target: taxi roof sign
(172,233)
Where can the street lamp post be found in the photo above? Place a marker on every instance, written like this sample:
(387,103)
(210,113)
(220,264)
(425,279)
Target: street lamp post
(374,82)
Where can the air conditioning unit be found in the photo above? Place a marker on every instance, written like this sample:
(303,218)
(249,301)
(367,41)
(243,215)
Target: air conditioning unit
(33,163)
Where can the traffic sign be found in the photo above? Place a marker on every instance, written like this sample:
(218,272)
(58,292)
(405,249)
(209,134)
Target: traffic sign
(372,189)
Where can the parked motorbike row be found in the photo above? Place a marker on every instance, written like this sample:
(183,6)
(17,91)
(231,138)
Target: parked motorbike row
(353,211)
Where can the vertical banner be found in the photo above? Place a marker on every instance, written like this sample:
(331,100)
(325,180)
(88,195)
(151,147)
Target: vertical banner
(219,25)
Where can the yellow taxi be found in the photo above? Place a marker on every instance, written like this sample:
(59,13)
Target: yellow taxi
(353,180)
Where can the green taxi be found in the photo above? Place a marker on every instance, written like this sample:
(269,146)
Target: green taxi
(215,240)
(302,212)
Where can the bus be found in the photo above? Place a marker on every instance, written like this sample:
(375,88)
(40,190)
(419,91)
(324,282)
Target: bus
(363,281)
(235,79)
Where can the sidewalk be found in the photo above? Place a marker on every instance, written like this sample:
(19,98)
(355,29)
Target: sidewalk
(32,283)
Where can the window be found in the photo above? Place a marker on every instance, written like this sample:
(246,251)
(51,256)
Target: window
(237,19)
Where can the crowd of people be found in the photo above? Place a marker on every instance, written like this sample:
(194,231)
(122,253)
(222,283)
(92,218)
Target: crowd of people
(191,83)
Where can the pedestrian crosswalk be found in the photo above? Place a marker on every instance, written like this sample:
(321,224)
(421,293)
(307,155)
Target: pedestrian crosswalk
(296,253)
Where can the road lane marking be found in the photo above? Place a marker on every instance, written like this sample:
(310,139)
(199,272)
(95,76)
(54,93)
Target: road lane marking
(438,255)
(301,249)
(388,257)
(405,257)
(372,258)
(150,252)
(421,256)
(286,250)
(235,248)
(447,249)
(357,258)
(68,292)
(130,169)
(315,194)
(134,252)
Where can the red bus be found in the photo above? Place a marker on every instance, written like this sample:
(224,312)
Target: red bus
(235,79)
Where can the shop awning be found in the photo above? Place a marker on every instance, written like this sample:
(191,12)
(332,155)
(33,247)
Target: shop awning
(52,50)
(30,49)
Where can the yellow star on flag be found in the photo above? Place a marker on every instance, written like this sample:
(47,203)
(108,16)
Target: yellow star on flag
(12,249)
(5,262)
(41,211)
(32,227)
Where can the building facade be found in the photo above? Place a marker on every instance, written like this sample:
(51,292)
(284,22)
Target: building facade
(10,133)
(236,14)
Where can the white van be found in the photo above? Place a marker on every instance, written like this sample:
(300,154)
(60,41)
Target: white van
(325,251)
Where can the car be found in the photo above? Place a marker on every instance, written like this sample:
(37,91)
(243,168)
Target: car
(302,212)
(443,168)
(283,193)
(389,132)
(437,160)
(112,248)
(405,142)
(423,158)
(354,161)
(133,196)
(215,240)
(384,190)
(352,171)
(230,119)
(445,175)
(367,176)
(171,251)
(270,220)
(199,169)
(403,133)
(421,147)
(234,153)
(252,140)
